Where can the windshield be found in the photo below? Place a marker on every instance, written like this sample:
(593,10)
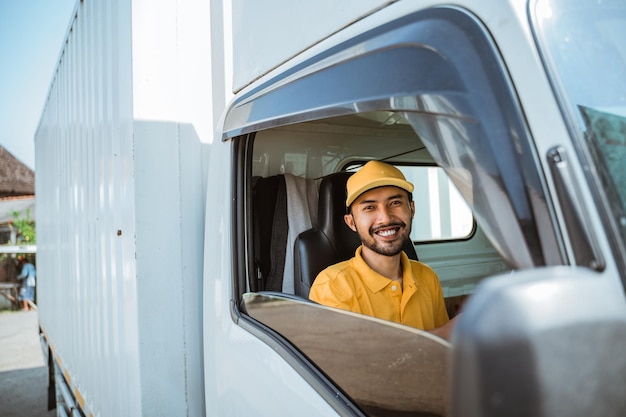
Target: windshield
(584,46)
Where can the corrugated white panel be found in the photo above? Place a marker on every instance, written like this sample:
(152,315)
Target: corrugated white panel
(86,226)
(121,155)
(174,78)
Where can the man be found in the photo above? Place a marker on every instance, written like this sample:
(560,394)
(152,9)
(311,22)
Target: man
(380,280)
(27,290)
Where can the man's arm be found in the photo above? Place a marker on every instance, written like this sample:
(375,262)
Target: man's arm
(444,331)
(22,274)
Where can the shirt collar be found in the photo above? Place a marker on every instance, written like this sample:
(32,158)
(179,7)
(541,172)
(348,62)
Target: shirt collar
(376,282)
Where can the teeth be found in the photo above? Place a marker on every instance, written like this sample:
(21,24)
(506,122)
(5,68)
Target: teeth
(387,232)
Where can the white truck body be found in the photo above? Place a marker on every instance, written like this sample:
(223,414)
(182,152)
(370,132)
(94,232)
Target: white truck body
(139,222)
(119,96)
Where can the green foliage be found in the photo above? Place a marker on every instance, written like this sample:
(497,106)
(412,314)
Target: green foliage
(26,232)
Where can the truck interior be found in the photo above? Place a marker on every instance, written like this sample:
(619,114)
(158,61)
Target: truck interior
(294,205)
(297,199)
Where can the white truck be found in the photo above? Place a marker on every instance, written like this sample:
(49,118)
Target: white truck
(189,168)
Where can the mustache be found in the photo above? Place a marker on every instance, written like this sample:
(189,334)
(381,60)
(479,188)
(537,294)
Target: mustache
(398,223)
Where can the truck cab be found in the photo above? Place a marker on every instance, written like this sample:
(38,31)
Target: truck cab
(508,128)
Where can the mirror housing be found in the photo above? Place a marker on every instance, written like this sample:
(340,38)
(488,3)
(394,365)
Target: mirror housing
(541,342)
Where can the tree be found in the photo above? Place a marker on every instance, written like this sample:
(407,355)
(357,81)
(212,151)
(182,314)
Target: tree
(25,227)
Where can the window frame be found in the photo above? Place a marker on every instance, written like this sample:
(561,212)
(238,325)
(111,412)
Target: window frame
(243,272)
(574,123)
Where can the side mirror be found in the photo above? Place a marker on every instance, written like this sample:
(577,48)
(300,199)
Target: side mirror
(547,342)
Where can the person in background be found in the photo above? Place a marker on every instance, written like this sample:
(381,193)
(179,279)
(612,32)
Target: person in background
(27,277)
(380,280)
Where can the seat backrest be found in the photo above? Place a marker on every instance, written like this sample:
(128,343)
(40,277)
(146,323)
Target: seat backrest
(282,206)
(332,240)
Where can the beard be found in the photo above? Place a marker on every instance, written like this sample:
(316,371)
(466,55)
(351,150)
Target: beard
(386,248)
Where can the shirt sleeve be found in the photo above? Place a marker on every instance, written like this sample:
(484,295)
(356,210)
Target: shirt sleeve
(324,292)
(441,313)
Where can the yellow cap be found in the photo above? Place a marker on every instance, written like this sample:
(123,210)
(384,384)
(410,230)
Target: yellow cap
(375,174)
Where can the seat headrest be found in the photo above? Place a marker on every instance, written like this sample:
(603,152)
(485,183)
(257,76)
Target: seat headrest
(331,209)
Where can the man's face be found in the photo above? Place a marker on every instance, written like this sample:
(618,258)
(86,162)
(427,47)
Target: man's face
(382,217)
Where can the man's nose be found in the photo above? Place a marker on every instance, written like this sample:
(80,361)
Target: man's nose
(385,214)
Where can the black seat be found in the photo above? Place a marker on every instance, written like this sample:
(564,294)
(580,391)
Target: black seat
(332,240)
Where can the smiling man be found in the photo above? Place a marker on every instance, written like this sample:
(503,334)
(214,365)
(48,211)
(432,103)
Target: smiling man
(380,280)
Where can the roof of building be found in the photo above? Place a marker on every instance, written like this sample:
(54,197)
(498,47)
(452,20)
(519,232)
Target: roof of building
(16,179)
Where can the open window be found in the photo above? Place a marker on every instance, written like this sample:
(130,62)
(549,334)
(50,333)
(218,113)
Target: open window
(427,93)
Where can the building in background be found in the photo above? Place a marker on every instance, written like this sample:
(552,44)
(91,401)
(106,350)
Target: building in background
(17,203)
(16,179)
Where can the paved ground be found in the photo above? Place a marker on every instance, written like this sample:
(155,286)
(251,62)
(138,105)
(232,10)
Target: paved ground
(23,375)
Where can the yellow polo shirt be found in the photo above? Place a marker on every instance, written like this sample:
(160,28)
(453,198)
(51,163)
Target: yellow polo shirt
(352,285)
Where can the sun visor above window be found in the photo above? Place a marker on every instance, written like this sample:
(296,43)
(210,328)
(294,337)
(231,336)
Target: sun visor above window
(384,69)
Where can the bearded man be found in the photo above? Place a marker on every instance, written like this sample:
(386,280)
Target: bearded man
(380,280)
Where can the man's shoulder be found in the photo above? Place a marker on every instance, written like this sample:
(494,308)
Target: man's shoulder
(334,272)
(423,272)
(419,265)
(332,286)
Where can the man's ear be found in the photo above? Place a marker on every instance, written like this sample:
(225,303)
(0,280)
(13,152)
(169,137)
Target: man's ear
(412,209)
(349,221)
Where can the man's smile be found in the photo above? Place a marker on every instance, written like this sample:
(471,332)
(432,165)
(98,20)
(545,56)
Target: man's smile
(386,233)
(388,230)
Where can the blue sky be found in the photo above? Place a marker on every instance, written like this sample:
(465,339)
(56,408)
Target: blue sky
(31,35)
